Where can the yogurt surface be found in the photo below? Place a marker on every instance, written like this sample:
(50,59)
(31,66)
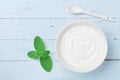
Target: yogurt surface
(81,46)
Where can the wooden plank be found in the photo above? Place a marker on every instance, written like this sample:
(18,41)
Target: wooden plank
(54,8)
(32,70)
(47,29)
(17,49)
(32,8)
(23,29)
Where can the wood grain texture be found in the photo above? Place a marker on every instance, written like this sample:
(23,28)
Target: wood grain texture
(22,20)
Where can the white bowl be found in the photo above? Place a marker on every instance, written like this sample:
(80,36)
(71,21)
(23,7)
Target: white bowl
(97,61)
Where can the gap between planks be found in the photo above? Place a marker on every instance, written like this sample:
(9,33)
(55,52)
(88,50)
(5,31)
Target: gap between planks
(52,18)
(15,39)
(55,60)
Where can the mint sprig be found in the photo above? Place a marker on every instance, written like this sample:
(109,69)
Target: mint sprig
(40,52)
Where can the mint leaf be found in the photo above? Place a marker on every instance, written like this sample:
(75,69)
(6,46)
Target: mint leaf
(46,63)
(44,54)
(33,54)
(38,44)
(45,60)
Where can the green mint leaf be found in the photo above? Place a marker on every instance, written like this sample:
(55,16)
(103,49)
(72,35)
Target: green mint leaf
(44,54)
(46,63)
(38,44)
(45,59)
(33,54)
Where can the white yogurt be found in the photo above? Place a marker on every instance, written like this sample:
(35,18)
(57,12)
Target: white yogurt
(81,46)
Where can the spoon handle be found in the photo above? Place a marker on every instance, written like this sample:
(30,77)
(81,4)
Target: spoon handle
(100,16)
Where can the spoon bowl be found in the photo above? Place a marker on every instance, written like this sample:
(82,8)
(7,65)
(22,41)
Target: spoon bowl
(75,9)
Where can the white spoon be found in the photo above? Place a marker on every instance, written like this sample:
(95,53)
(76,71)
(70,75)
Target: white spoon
(77,10)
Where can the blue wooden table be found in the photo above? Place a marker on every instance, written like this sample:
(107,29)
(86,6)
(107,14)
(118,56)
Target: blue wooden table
(22,20)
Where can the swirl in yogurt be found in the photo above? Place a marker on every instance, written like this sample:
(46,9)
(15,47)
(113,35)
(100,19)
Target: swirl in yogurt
(80,45)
